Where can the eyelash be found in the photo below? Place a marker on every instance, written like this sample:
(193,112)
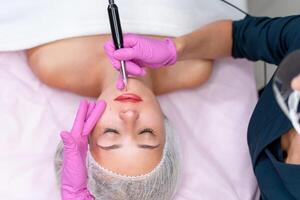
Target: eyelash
(147,130)
(107,130)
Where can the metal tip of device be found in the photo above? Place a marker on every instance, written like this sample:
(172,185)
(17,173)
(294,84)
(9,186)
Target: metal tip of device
(125,84)
(123,73)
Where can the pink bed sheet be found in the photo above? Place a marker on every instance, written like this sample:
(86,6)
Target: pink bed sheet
(211,122)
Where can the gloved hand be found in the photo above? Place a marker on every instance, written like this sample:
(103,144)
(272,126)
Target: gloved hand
(140,52)
(74,172)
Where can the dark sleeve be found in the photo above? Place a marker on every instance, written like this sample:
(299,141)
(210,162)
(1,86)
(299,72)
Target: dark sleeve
(264,38)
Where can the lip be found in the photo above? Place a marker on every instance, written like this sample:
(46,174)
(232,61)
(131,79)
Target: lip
(129,97)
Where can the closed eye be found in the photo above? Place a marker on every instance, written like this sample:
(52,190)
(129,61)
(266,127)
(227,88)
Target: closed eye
(147,130)
(111,130)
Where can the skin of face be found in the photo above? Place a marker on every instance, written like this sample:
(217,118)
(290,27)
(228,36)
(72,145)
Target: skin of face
(130,136)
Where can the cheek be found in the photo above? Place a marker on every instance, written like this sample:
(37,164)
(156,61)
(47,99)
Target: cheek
(153,117)
(155,120)
(153,109)
(109,116)
(108,119)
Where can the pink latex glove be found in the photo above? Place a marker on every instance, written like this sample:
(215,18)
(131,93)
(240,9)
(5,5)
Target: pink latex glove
(74,172)
(140,52)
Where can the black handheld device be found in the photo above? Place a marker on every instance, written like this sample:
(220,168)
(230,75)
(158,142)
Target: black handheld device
(116,32)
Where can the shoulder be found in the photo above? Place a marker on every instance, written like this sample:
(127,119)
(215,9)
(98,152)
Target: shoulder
(186,74)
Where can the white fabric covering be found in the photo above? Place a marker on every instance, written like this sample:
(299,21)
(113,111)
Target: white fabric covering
(211,121)
(25,24)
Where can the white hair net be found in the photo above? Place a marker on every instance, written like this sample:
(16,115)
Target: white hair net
(159,184)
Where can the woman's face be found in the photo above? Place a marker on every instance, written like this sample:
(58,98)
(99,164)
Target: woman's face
(129,138)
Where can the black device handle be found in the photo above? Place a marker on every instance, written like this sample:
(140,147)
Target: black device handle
(115,24)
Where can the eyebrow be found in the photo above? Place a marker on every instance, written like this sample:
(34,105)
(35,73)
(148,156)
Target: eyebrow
(117,146)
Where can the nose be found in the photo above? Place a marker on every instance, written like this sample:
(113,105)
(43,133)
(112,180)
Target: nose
(129,116)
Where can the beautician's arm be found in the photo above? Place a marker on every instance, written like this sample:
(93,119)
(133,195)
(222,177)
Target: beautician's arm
(209,42)
(254,38)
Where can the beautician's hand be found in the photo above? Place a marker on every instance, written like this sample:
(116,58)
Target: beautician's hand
(296,83)
(140,52)
(290,143)
(74,172)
